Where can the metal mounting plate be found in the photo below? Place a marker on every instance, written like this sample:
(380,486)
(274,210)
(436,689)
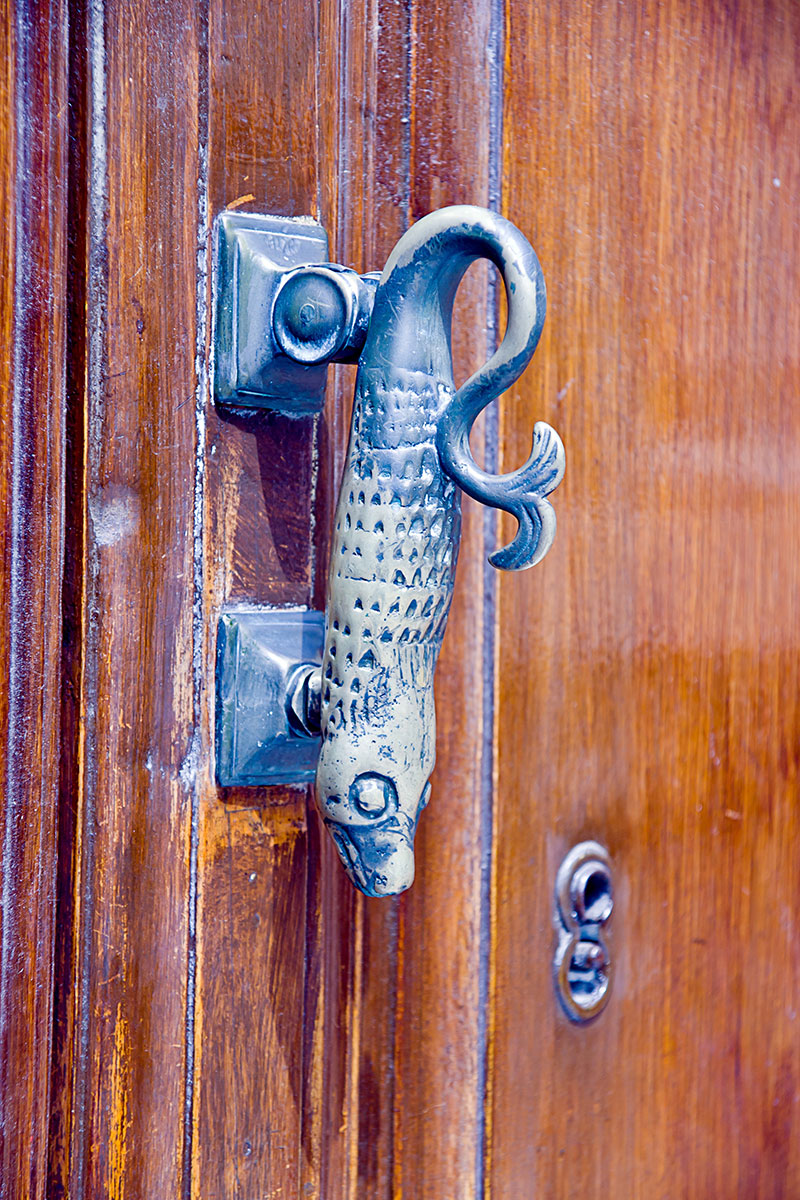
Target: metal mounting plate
(258,652)
(253,254)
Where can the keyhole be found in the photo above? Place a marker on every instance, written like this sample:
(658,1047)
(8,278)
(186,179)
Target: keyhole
(587,973)
(591,893)
(584,902)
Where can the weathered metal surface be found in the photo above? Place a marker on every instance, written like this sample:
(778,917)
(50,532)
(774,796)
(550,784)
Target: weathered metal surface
(260,659)
(397,531)
(584,901)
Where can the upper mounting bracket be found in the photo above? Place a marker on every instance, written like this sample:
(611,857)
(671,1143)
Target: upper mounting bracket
(283,313)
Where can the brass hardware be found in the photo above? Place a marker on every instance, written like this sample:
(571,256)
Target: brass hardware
(582,968)
(396,537)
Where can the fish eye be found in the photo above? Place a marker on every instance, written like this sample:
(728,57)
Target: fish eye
(371,794)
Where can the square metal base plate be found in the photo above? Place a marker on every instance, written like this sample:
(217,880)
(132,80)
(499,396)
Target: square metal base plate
(258,650)
(253,253)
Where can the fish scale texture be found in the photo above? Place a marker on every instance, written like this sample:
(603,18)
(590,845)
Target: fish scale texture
(394,551)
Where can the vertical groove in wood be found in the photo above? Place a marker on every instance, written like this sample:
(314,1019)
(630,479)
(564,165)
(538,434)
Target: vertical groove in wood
(65,1106)
(117,1123)
(322,1065)
(33,81)
(257,1037)
(440,1049)
(416,134)
(201,633)
(372,213)
(648,669)
(496,60)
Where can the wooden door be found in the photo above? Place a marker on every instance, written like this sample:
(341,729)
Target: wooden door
(195,1002)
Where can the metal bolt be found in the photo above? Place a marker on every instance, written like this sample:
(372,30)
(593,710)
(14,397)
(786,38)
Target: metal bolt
(314,312)
(303,704)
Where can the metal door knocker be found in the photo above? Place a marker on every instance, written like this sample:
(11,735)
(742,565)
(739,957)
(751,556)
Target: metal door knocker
(282,314)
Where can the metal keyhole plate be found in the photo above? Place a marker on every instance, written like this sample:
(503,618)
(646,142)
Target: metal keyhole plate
(584,900)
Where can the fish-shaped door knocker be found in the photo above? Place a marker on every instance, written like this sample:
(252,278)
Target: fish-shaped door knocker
(397,530)
(365,718)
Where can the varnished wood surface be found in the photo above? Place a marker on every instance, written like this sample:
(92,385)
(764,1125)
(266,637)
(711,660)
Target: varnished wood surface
(33,285)
(231,1018)
(349,1011)
(119,1120)
(255,1124)
(648,669)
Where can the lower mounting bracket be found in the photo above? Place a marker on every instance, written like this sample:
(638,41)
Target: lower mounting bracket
(268,671)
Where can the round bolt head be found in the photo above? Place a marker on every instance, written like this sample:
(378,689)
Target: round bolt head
(312,314)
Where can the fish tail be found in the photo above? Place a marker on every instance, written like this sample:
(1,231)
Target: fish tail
(522,492)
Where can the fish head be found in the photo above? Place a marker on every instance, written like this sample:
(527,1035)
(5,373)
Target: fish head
(371,790)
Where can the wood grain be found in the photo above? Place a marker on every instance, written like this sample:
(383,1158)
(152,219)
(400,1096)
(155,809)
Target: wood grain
(33,301)
(254,1129)
(230,1018)
(648,670)
(416,136)
(135,425)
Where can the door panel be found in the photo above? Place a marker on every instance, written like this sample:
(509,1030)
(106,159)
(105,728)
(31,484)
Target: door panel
(253,1113)
(119,1106)
(231,1019)
(648,670)
(33,302)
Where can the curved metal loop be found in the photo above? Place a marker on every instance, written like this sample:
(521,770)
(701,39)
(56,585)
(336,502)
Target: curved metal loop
(425,269)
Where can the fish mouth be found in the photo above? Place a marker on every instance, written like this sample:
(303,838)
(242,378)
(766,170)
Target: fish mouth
(378,855)
(379,859)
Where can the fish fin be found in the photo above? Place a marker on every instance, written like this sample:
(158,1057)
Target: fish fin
(522,492)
